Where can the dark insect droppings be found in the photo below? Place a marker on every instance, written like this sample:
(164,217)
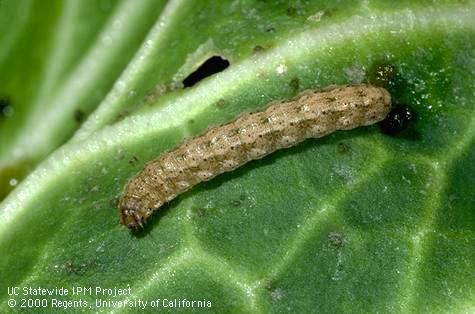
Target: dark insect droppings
(78,115)
(269,286)
(200,212)
(5,106)
(343,148)
(336,239)
(294,84)
(114,202)
(121,116)
(221,104)
(397,120)
(133,161)
(257,49)
(291,11)
(211,66)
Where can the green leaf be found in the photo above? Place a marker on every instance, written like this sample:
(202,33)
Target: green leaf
(358,221)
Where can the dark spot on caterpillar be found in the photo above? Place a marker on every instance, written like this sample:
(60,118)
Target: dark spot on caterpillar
(382,74)
(191,121)
(257,49)
(211,66)
(236,203)
(336,239)
(242,197)
(343,148)
(270,29)
(78,115)
(397,120)
(5,107)
(294,84)
(133,161)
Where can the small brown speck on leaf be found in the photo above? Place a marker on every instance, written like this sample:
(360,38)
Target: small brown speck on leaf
(291,11)
(294,84)
(200,211)
(257,49)
(78,115)
(114,202)
(336,239)
(133,161)
(343,148)
(220,104)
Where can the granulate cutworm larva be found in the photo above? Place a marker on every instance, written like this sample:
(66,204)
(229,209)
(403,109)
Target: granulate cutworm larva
(312,114)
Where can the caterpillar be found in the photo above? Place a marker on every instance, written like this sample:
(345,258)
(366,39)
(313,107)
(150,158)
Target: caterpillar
(312,114)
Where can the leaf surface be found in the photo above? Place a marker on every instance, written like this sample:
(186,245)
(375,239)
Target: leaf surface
(358,221)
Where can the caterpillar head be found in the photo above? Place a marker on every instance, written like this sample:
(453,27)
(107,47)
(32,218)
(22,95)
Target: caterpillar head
(131,212)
